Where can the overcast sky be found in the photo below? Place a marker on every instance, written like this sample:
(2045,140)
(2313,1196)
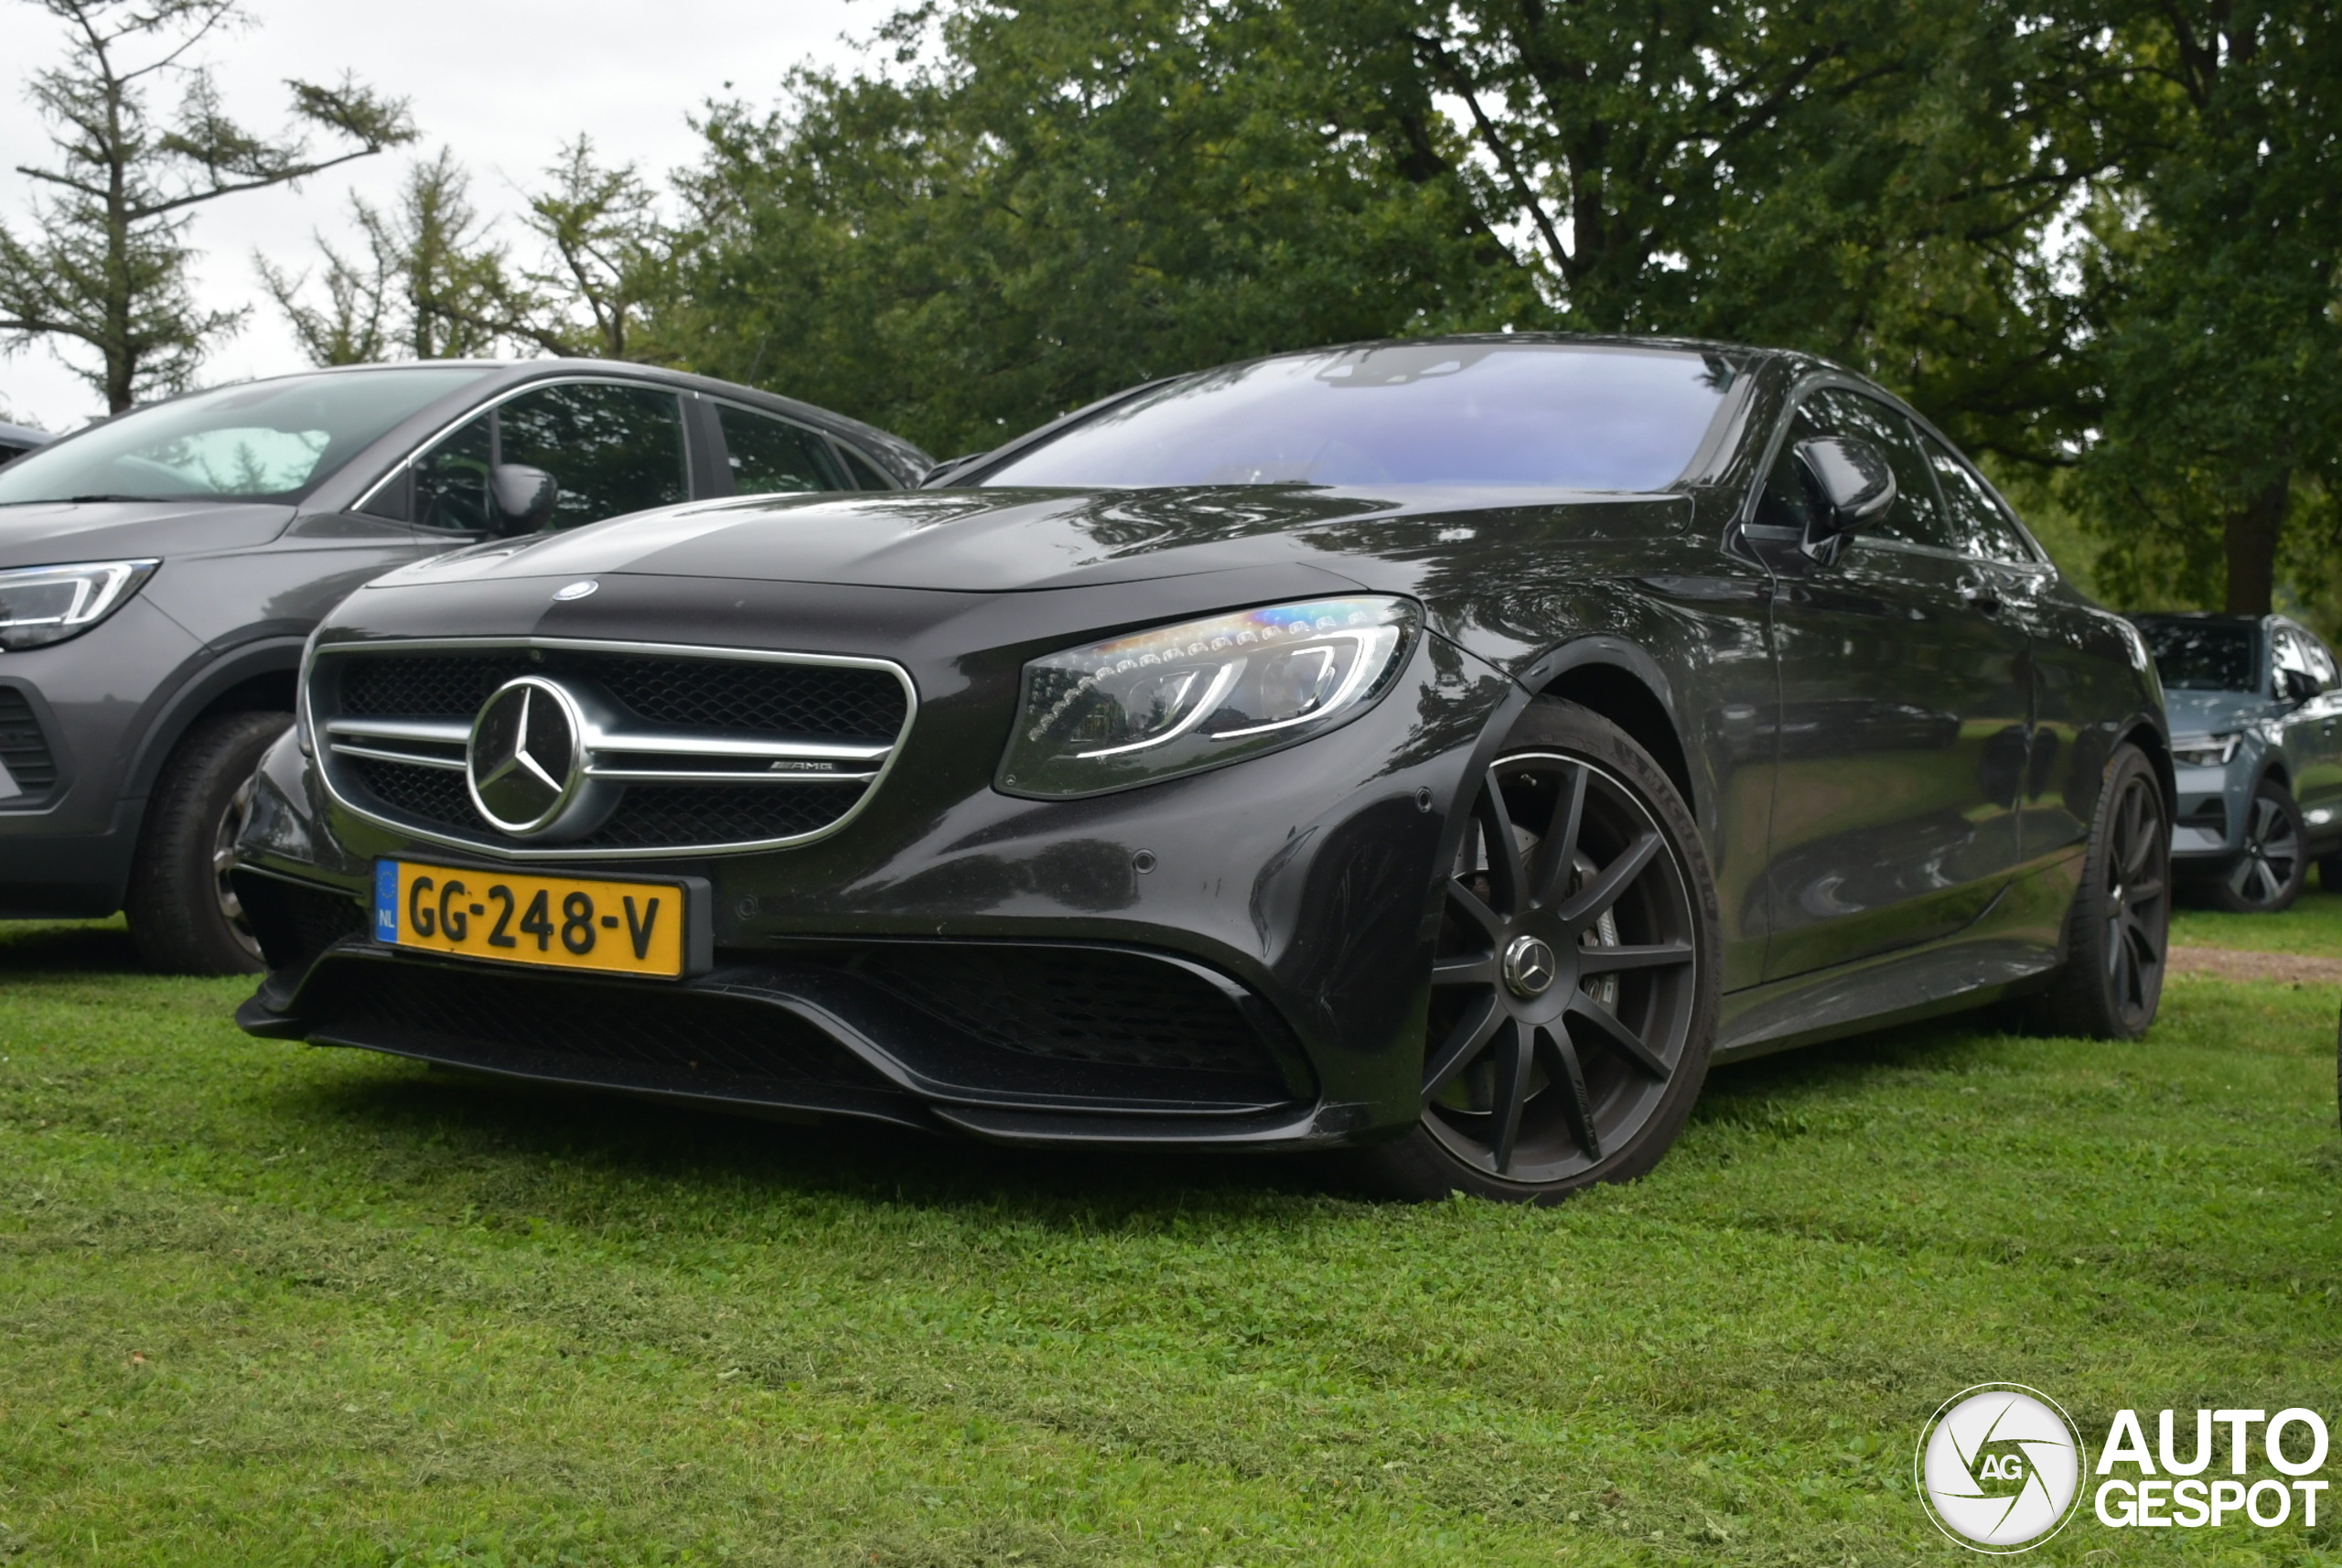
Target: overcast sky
(503,83)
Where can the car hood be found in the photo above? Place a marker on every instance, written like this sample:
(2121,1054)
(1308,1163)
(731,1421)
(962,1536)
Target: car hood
(2209,713)
(44,533)
(1003,541)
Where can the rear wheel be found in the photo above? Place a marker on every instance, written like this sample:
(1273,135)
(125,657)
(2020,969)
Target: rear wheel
(1574,995)
(184,916)
(2119,925)
(2268,877)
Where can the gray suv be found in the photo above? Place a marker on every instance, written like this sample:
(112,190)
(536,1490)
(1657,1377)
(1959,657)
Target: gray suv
(2256,738)
(159,573)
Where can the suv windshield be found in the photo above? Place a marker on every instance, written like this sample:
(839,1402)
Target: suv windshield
(2205,655)
(1543,416)
(260,441)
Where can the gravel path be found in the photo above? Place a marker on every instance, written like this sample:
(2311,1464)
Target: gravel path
(2229,963)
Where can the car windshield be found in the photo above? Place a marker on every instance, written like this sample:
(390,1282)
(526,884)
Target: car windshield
(259,441)
(1543,416)
(2205,655)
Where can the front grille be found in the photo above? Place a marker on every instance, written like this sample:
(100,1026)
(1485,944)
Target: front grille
(1075,1004)
(31,768)
(653,816)
(806,739)
(655,1038)
(800,701)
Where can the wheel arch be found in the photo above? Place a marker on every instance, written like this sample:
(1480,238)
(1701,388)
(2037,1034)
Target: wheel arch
(2149,737)
(1619,681)
(260,678)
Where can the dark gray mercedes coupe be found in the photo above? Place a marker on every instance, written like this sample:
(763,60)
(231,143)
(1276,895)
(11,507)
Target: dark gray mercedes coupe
(1442,750)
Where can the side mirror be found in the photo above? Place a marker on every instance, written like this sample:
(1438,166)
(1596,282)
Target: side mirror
(2296,685)
(1851,480)
(523,495)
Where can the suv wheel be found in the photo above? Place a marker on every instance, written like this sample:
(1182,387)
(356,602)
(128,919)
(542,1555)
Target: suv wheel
(1575,985)
(2270,873)
(184,917)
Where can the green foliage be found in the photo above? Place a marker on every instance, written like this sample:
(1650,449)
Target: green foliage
(1071,199)
(430,285)
(2215,262)
(108,271)
(266,1304)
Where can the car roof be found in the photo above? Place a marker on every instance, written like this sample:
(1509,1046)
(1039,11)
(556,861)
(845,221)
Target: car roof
(24,434)
(504,374)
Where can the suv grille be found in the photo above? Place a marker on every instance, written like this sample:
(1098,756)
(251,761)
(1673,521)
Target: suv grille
(30,769)
(707,750)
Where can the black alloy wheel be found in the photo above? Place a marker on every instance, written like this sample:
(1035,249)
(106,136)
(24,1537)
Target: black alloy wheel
(1572,987)
(2120,928)
(2272,869)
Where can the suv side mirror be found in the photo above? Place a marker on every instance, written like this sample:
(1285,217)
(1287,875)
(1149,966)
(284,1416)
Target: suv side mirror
(1852,480)
(2296,685)
(523,495)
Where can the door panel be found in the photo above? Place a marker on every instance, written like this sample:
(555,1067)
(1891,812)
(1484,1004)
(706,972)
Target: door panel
(1905,705)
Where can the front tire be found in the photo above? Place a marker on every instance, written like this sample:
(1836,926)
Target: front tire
(184,917)
(2119,926)
(2270,873)
(1575,985)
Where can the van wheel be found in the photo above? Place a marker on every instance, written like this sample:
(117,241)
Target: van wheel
(184,917)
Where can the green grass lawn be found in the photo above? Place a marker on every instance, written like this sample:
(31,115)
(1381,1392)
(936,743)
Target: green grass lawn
(2313,925)
(263,1303)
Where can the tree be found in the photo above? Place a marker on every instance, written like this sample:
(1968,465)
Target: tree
(2216,264)
(431,284)
(606,258)
(109,268)
(1067,199)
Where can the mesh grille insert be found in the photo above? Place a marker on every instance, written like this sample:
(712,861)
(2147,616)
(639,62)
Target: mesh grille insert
(803,701)
(600,1032)
(1093,1006)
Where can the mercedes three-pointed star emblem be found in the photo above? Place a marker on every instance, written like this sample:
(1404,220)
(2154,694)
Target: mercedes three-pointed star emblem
(525,762)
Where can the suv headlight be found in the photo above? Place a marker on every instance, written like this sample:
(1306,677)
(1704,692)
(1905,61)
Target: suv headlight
(1179,699)
(2206,750)
(40,604)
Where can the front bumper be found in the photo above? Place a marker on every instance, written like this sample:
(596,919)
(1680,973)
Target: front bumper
(72,716)
(2208,828)
(1236,959)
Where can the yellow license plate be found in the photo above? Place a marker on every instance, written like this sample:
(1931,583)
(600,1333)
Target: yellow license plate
(559,922)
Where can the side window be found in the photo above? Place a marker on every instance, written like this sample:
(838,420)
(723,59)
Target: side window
(613,449)
(768,455)
(1785,502)
(2321,663)
(1979,528)
(2290,654)
(1916,517)
(866,475)
(451,481)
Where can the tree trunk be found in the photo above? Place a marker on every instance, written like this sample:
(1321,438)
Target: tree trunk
(2251,543)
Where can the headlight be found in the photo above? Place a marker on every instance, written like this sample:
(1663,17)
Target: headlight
(48,604)
(1181,698)
(2206,750)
